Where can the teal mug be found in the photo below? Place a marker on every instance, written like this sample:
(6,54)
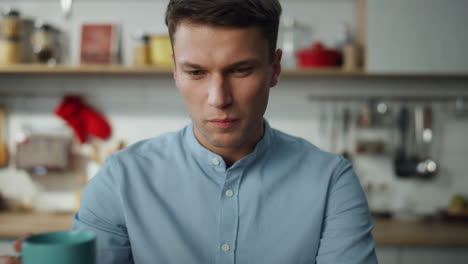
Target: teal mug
(70,247)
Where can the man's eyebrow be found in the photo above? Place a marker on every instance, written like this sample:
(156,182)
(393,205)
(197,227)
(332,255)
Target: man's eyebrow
(244,62)
(191,65)
(187,64)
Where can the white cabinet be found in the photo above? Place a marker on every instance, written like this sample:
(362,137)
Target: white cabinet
(417,36)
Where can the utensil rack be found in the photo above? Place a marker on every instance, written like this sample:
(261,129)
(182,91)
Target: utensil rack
(459,100)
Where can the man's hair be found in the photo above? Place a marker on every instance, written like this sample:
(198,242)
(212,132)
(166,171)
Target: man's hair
(227,13)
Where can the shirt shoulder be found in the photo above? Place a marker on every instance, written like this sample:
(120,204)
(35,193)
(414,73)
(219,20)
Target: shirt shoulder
(305,156)
(297,146)
(152,148)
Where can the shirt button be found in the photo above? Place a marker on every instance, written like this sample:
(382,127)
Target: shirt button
(225,247)
(229,193)
(215,161)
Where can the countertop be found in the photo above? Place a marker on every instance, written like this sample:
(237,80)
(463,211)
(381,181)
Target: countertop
(14,225)
(386,232)
(420,233)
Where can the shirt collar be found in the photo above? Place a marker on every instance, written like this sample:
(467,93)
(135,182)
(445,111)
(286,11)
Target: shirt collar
(212,159)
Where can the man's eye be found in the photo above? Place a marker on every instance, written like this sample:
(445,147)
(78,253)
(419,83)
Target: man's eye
(242,71)
(195,73)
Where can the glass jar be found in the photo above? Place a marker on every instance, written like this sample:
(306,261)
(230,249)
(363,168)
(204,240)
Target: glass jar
(10,24)
(43,43)
(292,36)
(9,51)
(161,50)
(141,51)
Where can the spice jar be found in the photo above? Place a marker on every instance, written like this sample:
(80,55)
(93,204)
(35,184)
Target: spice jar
(9,51)
(161,50)
(43,43)
(10,24)
(351,57)
(141,51)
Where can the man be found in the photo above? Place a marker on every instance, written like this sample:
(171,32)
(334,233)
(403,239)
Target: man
(227,188)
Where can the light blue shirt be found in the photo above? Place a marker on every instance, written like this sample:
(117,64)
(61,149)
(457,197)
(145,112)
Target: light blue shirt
(169,200)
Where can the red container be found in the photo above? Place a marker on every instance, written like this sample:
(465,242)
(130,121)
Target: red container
(318,56)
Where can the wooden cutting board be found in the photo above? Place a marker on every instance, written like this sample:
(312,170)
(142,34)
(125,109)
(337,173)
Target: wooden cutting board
(3,144)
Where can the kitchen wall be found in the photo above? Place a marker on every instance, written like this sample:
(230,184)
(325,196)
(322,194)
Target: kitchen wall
(145,106)
(393,25)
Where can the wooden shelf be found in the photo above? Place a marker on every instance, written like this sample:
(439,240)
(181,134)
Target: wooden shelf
(325,72)
(84,69)
(38,69)
(129,70)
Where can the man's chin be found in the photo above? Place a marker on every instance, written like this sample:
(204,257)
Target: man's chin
(221,139)
(224,142)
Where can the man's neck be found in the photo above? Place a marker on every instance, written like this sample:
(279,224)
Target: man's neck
(234,154)
(231,155)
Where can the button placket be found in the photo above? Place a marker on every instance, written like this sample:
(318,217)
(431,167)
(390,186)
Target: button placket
(225,247)
(215,161)
(229,219)
(229,193)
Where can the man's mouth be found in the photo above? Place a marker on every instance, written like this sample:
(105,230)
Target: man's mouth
(224,122)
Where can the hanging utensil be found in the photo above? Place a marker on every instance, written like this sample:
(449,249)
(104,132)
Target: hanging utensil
(346,126)
(334,128)
(365,113)
(401,155)
(66,8)
(461,110)
(3,145)
(404,164)
(419,127)
(427,167)
(322,124)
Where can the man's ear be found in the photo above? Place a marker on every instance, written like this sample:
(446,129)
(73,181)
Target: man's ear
(276,68)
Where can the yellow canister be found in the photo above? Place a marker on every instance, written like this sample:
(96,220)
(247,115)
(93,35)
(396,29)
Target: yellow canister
(10,27)
(141,50)
(141,55)
(351,57)
(10,24)
(9,52)
(161,50)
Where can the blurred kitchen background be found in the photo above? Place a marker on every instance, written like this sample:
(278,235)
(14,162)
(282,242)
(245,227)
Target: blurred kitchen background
(383,82)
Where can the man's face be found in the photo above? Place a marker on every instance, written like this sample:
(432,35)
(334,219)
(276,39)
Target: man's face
(224,75)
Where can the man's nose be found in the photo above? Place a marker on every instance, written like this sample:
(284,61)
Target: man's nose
(219,93)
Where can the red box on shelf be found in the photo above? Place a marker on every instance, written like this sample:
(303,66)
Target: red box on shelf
(318,56)
(99,44)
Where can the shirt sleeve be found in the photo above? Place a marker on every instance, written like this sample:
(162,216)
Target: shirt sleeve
(346,233)
(101,212)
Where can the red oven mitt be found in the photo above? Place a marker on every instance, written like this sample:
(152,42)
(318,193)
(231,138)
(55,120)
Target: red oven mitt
(82,118)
